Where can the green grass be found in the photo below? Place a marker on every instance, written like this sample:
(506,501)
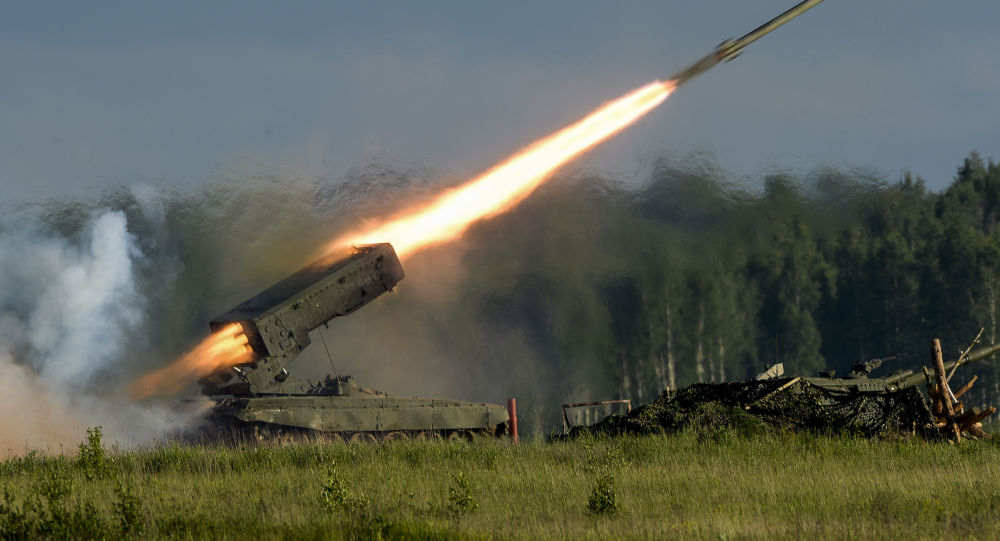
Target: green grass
(701,485)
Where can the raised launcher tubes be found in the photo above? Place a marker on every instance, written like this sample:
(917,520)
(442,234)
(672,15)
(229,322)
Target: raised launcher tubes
(278,320)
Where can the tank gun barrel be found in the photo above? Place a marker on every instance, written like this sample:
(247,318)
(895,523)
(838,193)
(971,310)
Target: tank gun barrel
(979,354)
(910,378)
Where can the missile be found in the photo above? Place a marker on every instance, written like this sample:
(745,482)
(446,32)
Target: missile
(730,48)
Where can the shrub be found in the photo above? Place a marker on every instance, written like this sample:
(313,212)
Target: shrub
(603,499)
(460,499)
(92,458)
(336,497)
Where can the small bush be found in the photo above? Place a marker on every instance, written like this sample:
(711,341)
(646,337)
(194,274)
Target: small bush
(460,499)
(334,492)
(336,497)
(603,499)
(92,458)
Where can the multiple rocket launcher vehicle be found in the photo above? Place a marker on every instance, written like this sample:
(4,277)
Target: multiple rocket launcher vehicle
(261,397)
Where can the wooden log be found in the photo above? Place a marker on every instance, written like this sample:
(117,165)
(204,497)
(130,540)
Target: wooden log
(937,408)
(974,416)
(965,388)
(978,432)
(952,429)
(964,418)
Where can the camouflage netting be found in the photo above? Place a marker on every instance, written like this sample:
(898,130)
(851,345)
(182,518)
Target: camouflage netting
(776,403)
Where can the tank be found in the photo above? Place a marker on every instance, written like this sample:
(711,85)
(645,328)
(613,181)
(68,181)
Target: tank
(859,402)
(260,399)
(858,381)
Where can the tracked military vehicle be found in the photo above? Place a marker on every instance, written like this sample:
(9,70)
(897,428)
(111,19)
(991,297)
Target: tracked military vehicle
(260,399)
(857,403)
(859,381)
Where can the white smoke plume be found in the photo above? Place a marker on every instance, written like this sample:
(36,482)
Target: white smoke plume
(87,304)
(68,305)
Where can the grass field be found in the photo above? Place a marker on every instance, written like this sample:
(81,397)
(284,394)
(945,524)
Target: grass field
(692,485)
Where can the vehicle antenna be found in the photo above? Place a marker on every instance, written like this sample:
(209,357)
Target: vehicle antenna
(328,356)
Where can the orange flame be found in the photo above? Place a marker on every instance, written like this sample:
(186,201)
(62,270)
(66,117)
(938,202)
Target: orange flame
(508,183)
(222,349)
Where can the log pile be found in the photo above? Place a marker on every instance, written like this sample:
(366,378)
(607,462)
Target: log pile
(952,417)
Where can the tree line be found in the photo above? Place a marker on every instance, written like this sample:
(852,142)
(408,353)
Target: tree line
(694,277)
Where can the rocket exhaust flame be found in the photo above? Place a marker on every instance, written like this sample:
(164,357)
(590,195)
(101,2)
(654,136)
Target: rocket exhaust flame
(508,183)
(222,349)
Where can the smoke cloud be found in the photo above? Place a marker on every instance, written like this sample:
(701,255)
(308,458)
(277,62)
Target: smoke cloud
(88,300)
(70,308)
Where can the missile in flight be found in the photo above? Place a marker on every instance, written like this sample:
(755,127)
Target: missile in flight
(731,48)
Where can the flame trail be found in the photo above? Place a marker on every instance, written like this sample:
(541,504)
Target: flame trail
(507,183)
(222,349)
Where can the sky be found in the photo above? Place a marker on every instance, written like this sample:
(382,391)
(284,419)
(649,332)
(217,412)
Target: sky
(107,93)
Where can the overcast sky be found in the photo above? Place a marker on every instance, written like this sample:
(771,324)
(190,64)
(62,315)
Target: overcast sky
(94,94)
